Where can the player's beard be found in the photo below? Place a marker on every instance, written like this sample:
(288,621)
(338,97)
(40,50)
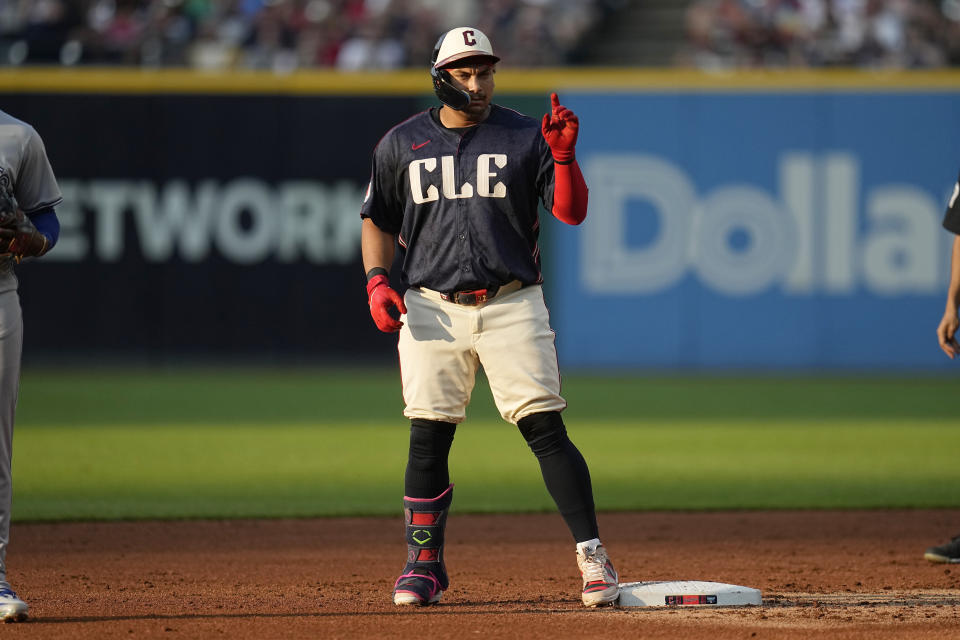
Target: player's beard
(478,109)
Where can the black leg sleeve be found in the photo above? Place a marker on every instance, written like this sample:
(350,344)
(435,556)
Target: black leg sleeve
(427,474)
(564,471)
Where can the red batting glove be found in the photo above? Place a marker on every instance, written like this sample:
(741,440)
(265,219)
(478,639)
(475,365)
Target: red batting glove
(560,128)
(381,297)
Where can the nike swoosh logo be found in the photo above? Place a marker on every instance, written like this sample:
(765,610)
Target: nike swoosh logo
(417,146)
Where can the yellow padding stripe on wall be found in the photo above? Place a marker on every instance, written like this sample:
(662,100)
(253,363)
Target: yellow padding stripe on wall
(513,81)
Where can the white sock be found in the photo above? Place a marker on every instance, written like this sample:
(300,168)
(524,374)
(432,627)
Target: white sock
(588,546)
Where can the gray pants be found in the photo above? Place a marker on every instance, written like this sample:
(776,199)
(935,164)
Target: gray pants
(11,346)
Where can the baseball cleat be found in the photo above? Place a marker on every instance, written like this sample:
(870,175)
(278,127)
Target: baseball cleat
(600,579)
(417,587)
(12,608)
(948,553)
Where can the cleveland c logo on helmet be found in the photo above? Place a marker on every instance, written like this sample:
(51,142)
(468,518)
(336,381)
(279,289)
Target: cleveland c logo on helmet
(457,44)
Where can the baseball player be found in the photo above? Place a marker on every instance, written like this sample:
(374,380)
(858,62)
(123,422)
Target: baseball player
(28,228)
(947,336)
(458,187)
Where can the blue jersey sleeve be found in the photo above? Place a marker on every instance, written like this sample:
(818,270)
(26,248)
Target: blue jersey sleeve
(951,220)
(47,223)
(380,202)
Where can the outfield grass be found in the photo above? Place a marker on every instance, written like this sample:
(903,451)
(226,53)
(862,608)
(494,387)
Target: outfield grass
(275,443)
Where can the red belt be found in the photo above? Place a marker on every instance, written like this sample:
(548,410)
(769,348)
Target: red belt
(471,298)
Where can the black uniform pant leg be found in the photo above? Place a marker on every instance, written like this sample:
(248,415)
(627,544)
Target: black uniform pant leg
(564,470)
(428,473)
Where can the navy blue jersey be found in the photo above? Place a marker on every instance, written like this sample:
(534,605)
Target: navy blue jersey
(951,220)
(465,208)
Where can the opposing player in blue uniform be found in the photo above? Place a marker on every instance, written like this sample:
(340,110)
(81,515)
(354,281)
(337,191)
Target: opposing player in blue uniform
(28,228)
(458,188)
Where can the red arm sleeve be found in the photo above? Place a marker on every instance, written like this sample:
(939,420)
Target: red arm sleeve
(569,193)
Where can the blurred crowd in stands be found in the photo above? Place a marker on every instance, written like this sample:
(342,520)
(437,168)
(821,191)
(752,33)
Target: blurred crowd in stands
(352,35)
(283,35)
(903,34)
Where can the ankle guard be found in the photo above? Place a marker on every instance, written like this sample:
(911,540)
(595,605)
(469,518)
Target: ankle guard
(426,519)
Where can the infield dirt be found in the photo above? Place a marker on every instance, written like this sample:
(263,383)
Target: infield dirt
(826,574)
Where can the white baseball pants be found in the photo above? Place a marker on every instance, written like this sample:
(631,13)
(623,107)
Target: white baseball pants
(442,343)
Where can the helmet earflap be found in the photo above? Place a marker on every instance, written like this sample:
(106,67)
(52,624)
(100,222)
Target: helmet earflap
(443,86)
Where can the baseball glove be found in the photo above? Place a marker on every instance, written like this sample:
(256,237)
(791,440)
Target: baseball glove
(18,237)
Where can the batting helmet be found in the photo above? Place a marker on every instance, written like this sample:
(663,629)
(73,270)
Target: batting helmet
(457,44)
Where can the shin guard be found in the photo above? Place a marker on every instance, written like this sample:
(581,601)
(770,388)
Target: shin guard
(424,578)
